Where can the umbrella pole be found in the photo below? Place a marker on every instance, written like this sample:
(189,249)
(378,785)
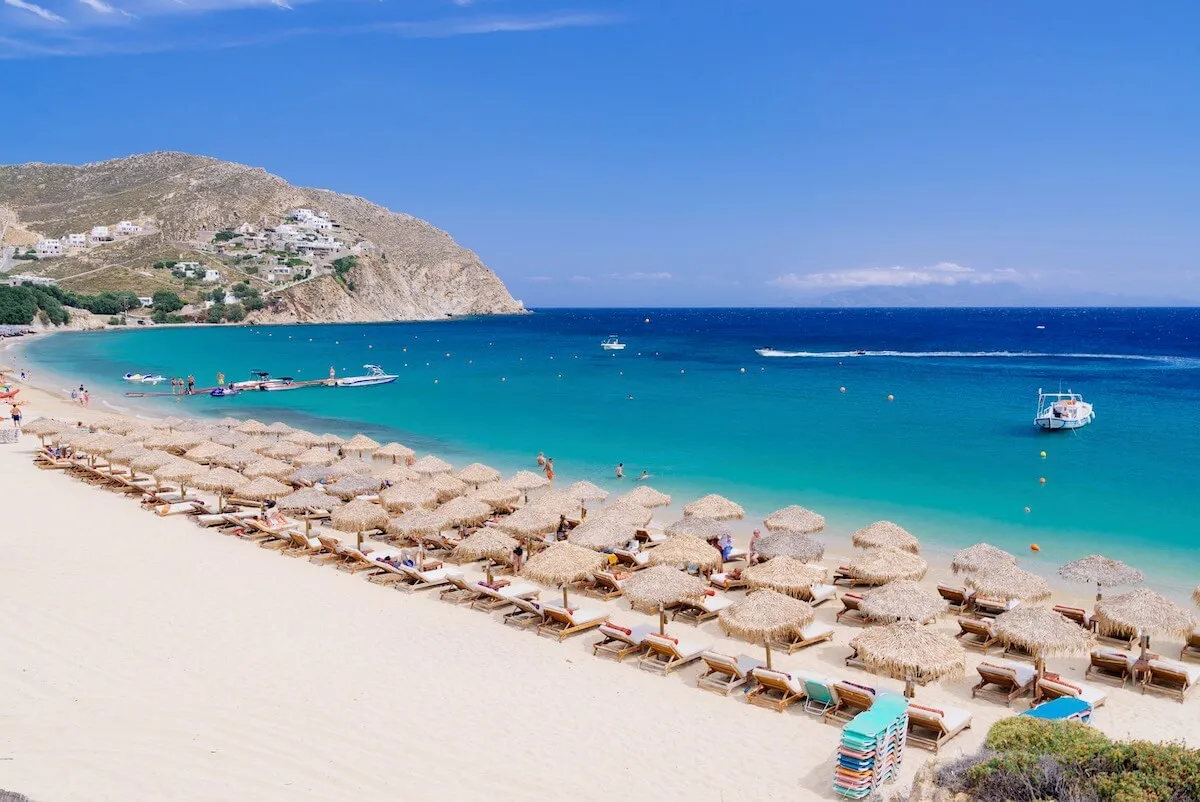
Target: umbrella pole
(910,688)
(358,538)
(564,588)
(307,525)
(767,646)
(1099,592)
(1040,666)
(662,620)
(1145,647)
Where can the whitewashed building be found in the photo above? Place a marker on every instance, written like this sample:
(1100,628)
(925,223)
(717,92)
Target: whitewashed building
(145,300)
(101,234)
(76,241)
(49,247)
(320,245)
(40,281)
(126,228)
(245,228)
(212,275)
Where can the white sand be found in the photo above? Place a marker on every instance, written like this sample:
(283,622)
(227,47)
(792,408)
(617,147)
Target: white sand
(144,658)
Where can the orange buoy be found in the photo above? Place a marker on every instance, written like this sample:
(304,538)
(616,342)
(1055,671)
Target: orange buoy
(1034,547)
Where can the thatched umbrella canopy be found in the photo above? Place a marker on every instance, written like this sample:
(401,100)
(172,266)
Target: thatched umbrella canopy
(313,456)
(1043,633)
(206,452)
(496,494)
(562,563)
(262,489)
(168,423)
(887,535)
(556,502)
(980,557)
(163,441)
(221,481)
(431,465)
(359,443)
(765,614)
(348,465)
(486,544)
(229,422)
(602,533)
(396,472)
(416,523)
(274,468)
(395,452)
(407,496)
(178,470)
(1007,582)
(284,449)
(237,458)
(634,514)
(104,443)
(329,440)
(477,474)
(528,522)
(124,455)
(886,565)
(258,443)
(251,427)
(654,589)
(311,474)
(182,441)
(646,496)
(112,423)
(584,492)
(140,433)
(527,480)
(359,516)
(716,507)
(44,427)
(306,500)
(785,575)
(703,528)
(464,512)
(446,486)
(304,438)
(1145,612)
(151,461)
(230,437)
(279,428)
(1102,572)
(348,487)
(795,519)
(902,600)
(908,651)
(686,550)
(805,548)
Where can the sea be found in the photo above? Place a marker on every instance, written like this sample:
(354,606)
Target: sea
(919,416)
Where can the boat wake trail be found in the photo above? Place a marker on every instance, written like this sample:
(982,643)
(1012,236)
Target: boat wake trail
(1177,361)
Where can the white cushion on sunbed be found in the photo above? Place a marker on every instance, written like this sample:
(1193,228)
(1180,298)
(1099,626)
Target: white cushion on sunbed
(586,616)
(815,629)
(794,682)
(718,577)
(436,575)
(1011,604)
(1024,672)
(822,593)
(737,554)
(715,604)
(1190,670)
(636,634)
(1117,654)
(518,589)
(746,663)
(952,717)
(1086,693)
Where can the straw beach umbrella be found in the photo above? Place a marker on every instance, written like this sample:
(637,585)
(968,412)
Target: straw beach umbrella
(179,470)
(353,465)
(113,423)
(716,507)
(394,452)
(784,575)
(497,494)
(262,489)
(305,501)
(1102,572)
(415,523)
(258,443)
(486,544)
(1008,582)
(805,548)
(329,440)
(1042,633)
(206,452)
(686,550)
(654,589)
(885,534)
(348,487)
(251,427)
(396,472)
(979,557)
(359,444)
(646,496)
(908,651)
(795,519)
(359,516)
(268,467)
(526,481)
(311,474)
(446,486)
(151,462)
(431,465)
(634,514)
(229,422)
(703,528)
(44,427)
(562,563)
(902,600)
(464,512)
(304,438)
(556,502)
(528,522)
(284,449)
(313,456)
(407,496)
(477,474)
(126,454)
(221,481)
(601,534)
(168,423)
(230,438)
(1145,612)
(765,614)
(278,428)
(887,565)
(584,492)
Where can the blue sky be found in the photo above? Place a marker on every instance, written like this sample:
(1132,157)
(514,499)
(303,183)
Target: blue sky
(671,152)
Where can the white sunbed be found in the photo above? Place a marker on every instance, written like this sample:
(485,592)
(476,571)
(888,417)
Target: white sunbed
(1053,687)
(709,607)
(667,653)
(819,594)
(619,642)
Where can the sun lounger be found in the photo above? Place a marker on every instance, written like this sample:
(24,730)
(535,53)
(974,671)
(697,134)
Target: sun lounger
(842,576)
(724,580)
(603,586)
(959,599)
(812,633)
(697,612)
(423,580)
(168,497)
(1191,649)
(359,561)
(666,653)
(1077,614)
(1004,681)
(1053,686)
(851,612)
(820,695)
(525,614)
(736,555)
(179,508)
(817,595)
(1121,638)
(561,622)
(301,545)
(975,634)
(724,673)
(1171,678)
(632,559)
(491,599)
(268,536)
(619,642)
(853,699)
(210,519)
(1063,708)
(775,690)
(1110,665)
(990,608)
(438,542)
(460,591)
(332,551)
(931,727)
(651,536)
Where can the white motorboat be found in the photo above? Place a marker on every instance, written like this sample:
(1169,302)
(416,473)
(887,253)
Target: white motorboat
(612,344)
(1062,411)
(375,375)
(282,383)
(133,377)
(144,378)
(257,379)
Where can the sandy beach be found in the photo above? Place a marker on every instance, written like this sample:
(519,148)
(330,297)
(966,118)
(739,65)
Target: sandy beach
(147,658)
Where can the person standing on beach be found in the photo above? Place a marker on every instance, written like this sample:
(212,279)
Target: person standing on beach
(620,470)
(14,409)
(86,398)
(752,559)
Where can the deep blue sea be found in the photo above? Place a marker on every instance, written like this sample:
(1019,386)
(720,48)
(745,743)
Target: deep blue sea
(954,457)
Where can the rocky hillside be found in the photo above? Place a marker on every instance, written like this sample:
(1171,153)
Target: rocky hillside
(414,271)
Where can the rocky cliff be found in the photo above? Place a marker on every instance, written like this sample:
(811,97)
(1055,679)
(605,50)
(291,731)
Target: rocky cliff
(413,272)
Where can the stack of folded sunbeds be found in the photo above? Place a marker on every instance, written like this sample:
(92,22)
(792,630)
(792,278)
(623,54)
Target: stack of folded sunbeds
(872,747)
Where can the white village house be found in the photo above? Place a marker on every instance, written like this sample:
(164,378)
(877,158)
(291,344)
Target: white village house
(101,234)
(127,228)
(145,300)
(212,275)
(76,240)
(40,281)
(49,247)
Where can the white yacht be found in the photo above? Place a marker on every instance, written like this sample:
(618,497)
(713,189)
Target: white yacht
(375,375)
(612,344)
(144,378)
(1062,411)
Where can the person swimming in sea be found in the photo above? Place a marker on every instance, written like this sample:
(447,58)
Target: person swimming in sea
(645,475)
(541,459)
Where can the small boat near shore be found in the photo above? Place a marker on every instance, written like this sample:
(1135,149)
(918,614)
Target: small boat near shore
(375,375)
(1067,410)
(613,343)
(144,378)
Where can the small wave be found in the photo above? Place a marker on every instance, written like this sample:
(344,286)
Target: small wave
(1172,360)
(114,406)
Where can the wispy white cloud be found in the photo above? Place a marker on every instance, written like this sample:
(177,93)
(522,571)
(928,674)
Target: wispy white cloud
(33,8)
(98,5)
(946,274)
(539,279)
(470,26)
(581,279)
(640,276)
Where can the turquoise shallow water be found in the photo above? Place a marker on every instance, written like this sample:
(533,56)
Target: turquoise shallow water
(954,457)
